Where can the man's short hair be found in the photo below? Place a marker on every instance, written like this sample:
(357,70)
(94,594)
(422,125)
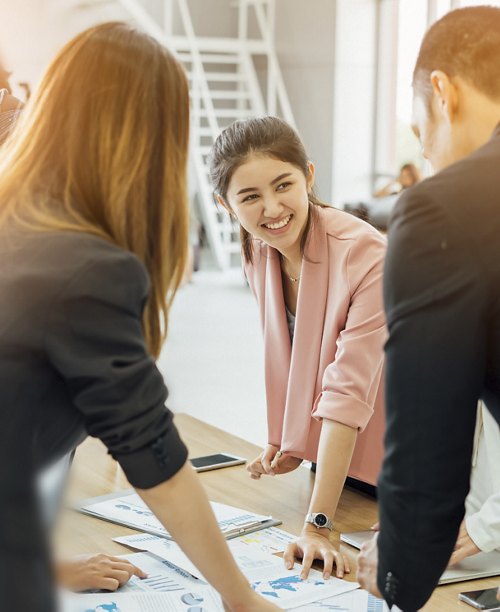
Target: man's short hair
(464,43)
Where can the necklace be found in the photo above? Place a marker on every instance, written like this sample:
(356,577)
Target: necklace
(294,279)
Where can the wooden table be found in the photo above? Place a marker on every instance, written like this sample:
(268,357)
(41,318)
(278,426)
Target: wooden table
(285,497)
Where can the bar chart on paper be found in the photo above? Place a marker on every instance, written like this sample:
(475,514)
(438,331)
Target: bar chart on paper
(355,601)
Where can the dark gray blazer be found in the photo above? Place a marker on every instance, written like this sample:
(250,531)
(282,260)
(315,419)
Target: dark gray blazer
(442,298)
(73,362)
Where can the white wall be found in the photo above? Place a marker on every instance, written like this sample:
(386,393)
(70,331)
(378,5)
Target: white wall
(32,31)
(305,45)
(353,100)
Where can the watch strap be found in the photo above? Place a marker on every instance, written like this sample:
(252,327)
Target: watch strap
(310,518)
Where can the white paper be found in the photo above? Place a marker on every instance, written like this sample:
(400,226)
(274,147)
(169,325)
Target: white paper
(287,591)
(167,588)
(141,602)
(131,510)
(248,555)
(355,601)
(161,547)
(163,576)
(271,540)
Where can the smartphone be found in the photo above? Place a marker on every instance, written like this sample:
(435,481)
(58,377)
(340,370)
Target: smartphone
(214,462)
(486,599)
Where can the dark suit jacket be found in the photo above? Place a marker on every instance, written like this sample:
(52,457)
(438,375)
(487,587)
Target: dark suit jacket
(72,362)
(442,298)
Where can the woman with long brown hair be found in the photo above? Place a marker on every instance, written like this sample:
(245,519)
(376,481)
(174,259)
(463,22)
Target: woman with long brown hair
(93,237)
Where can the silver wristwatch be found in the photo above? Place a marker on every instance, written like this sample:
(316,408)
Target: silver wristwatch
(319,520)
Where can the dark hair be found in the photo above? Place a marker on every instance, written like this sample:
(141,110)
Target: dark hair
(413,171)
(463,43)
(263,135)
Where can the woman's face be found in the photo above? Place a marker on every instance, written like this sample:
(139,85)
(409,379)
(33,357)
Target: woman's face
(406,178)
(270,199)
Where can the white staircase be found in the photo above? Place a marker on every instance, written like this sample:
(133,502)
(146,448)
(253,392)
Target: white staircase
(224,86)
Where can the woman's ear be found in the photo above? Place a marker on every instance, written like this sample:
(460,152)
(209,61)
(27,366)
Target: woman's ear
(310,178)
(225,205)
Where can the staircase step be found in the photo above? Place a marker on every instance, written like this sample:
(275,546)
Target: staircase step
(217,94)
(230,112)
(211,58)
(222,77)
(202,149)
(203,131)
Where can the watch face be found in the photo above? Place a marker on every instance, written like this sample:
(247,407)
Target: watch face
(320,520)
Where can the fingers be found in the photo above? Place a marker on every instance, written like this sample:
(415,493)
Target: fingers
(458,555)
(255,468)
(116,563)
(307,561)
(129,569)
(375,526)
(263,463)
(107,584)
(138,572)
(268,459)
(328,561)
(310,552)
(342,563)
(289,555)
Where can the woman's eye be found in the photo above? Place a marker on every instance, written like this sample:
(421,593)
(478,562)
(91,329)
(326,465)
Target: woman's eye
(250,197)
(282,186)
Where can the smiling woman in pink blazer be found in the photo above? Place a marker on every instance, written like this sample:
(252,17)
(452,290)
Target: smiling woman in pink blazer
(316,273)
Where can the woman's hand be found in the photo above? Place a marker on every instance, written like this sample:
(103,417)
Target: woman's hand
(95,572)
(271,462)
(316,545)
(464,546)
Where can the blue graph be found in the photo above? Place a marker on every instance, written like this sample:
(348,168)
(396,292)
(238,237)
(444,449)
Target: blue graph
(287,583)
(105,607)
(375,604)
(137,510)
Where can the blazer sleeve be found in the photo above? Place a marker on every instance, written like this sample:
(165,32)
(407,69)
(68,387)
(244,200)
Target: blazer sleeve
(434,371)
(96,343)
(350,384)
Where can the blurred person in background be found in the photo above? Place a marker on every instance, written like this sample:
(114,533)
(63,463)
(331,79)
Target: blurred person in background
(409,175)
(10,106)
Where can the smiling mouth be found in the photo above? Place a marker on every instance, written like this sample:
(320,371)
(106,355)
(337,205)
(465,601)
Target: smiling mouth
(279,224)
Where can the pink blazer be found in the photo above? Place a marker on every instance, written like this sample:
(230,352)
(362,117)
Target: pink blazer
(334,369)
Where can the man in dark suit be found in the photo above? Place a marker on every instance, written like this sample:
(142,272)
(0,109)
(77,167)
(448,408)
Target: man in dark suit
(442,297)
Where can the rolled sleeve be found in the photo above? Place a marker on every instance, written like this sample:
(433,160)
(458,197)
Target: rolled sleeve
(348,410)
(351,383)
(483,527)
(95,342)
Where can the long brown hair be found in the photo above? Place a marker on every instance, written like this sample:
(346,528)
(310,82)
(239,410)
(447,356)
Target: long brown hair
(266,136)
(101,148)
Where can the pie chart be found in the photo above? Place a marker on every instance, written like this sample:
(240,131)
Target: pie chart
(192,599)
